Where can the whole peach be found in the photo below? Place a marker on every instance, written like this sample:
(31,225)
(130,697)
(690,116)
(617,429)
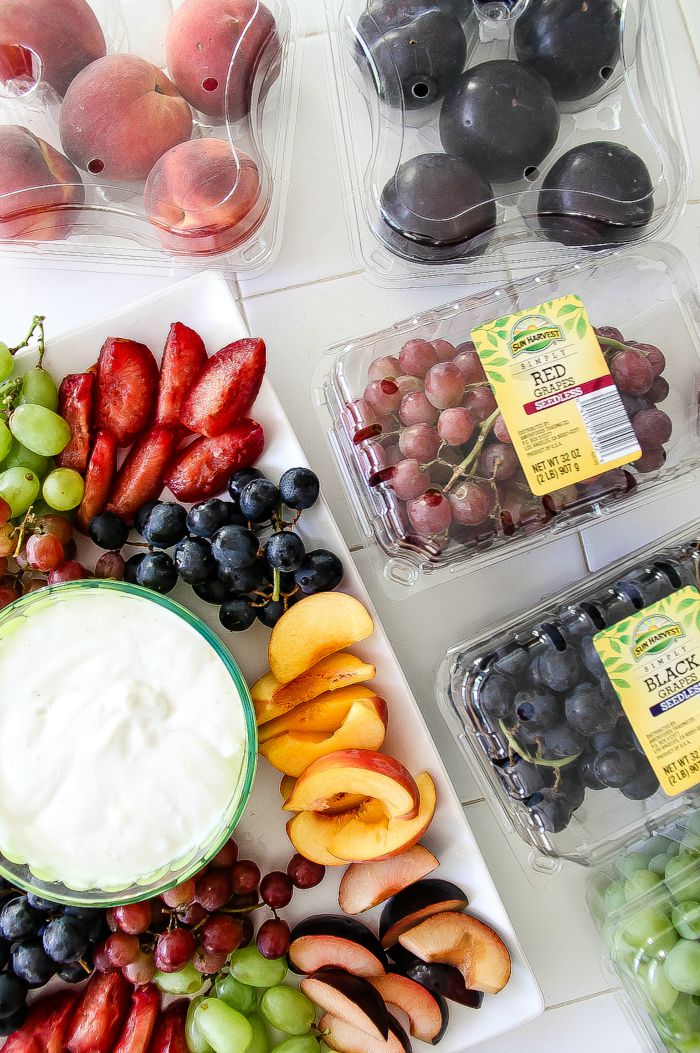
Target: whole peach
(204,196)
(207,37)
(120,115)
(64,34)
(37,184)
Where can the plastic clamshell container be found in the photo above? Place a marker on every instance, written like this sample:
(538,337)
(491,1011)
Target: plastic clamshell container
(645,904)
(191,171)
(479,679)
(402,104)
(647,291)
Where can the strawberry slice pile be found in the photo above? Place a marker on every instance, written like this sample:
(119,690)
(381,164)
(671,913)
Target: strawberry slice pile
(184,425)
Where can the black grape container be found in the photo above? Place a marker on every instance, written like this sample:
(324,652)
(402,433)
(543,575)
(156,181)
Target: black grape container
(480,133)
(478,678)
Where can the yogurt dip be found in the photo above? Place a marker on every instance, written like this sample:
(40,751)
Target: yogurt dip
(122,739)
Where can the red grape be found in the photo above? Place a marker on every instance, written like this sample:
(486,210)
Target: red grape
(3,566)
(245,876)
(100,960)
(192,915)
(444,350)
(276,889)
(247,930)
(226,856)
(610,332)
(472,502)
(305,873)
(652,427)
(244,900)
(561,499)
(273,938)
(221,934)
(408,480)
(140,971)
(384,396)
(455,426)
(480,402)
(444,385)
(499,461)
(659,390)
(469,364)
(416,409)
(57,525)
(121,949)
(408,384)
(654,356)
(5,512)
(430,513)
(214,889)
(174,949)
(651,460)
(419,441)
(110,565)
(500,430)
(631,372)
(208,964)
(381,368)
(44,552)
(133,918)
(7,596)
(8,542)
(180,896)
(69,570)
(416,357)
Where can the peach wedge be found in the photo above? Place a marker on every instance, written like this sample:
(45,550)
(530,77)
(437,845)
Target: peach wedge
(325,713)
(314,628)
(333,673)
(363,727)
(367,772)
(360,840)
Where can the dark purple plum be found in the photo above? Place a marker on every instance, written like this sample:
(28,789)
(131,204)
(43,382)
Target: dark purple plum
(595,194)
(441,979)
(336,937)
(575,44)
(435,206)
(417,902)
(502,117)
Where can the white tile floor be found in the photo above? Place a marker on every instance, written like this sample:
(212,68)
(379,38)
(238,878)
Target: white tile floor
(315,296)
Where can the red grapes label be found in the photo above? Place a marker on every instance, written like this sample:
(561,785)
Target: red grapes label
(558,399)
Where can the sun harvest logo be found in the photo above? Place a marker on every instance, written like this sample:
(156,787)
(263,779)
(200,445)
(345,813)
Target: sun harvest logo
(534,333)
(654,635)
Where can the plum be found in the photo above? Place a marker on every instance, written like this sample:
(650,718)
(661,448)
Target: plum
(417,902)
(349,998)
(63,34)
(427,1012)
(596,193)
(332,940)
(364,885)
(37,184)
(440,979)
(415,51)
(435,205)
(502,117)
(575,44)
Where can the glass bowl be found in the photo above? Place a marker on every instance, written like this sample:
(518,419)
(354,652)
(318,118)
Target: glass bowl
(172,872)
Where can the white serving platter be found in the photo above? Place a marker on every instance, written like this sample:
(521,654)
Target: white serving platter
(206,304)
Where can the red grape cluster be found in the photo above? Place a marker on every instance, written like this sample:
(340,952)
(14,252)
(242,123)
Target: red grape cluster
(429,435)
(205,919)
(38,551)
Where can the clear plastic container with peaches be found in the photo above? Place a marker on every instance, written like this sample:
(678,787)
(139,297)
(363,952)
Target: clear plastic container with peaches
(432,473)
(147,135)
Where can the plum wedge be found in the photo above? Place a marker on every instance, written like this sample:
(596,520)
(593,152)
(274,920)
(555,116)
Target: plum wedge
(345,1038)
(427,1012)
(364,885)
(125,394)
(331,941)
(351,999)
(417,902)
(226,388)
(46,1025)
(184,358)
(460,940)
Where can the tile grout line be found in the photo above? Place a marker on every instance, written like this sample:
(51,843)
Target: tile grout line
(583,998)
(301,285)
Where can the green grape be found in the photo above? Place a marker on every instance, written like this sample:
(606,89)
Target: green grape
(249,966)
(691,843)
(656,986)
(638,883)
(299,1044)
(682,1022)
(39,389)
(261,1040)
(614,897)
(20,457)
(656,845)
(40,429)
(5,440)
(20,488)
(686,918)
(693,824)
(226,1030)
(239,996)
(688,1045)
(288,1010)
(186,981)
(63,489)
(682,967)
(658,864)
(7,362)
(630,863)
(195,1042)
(683,877)
(650,931)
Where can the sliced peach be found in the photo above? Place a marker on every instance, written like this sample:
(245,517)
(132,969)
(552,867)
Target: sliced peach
(364,885)
(364,727)
(460,940)
(314,628)
(340,802)
(310,832)
(263,689)
(359,840)
(335,672)
(325,713)
(365,772)
(286,786)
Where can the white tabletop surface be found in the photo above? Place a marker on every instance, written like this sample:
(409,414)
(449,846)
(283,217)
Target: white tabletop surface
(313,297)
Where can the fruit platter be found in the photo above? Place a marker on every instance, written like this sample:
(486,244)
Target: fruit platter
(495,135)
(303,863)
(105,153)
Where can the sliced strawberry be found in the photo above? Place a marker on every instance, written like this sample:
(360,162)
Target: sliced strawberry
(75,406)
(184,358)
(100,1014)
(141,1021)
(202,469)
(98,479)
(226,389)
(140,478)
(127,380)
(169,1035)
(44,1030)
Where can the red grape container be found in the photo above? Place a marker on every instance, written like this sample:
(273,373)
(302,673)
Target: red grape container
(544,716)
(478,132)
(150,135)
(427,459)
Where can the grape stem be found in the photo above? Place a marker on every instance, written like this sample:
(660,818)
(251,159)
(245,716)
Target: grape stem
(615,345)
(277,585)
(29,516)
(468,461)
(37,323)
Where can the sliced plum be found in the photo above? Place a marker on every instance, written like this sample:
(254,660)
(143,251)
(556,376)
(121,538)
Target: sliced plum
(427,1012)
(308,954)
(417,902)
(351,999)
(344,1038)
(440,979)
(364,885)
(472,947)
(344,930)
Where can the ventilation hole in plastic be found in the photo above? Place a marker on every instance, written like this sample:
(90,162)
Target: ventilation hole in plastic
(532,173)
(420,90)
(606,72)
(549,631)
(20,71)
(595,615)
(95,166)
(210,84)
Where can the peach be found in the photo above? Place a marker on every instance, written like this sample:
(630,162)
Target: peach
(213,48)
(362,727)
(120,114)
(310,832)
(363,838)
(325,713)
(313,629)
(337,671)
(204,196)
(63,34)
(361,771)
(340,802)
(39,187)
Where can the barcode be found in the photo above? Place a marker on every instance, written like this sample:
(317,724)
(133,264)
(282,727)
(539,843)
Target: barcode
(608,425)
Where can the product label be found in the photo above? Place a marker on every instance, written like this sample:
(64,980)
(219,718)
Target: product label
(653,661)
(554,389)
